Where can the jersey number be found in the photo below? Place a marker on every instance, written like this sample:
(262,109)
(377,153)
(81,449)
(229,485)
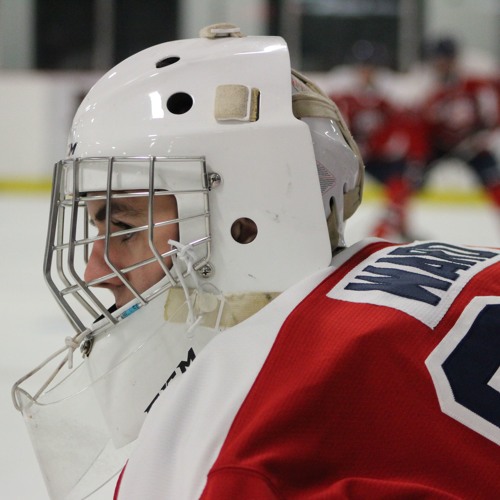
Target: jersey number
(465,368)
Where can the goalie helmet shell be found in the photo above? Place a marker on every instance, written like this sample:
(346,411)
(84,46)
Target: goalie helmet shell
(227,99)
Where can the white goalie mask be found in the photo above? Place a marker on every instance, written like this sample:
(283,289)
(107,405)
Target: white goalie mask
(258,173)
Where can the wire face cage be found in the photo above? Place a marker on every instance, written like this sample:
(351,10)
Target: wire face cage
(144,183)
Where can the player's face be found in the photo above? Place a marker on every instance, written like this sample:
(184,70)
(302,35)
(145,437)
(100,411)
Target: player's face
(444,66)
(128,249)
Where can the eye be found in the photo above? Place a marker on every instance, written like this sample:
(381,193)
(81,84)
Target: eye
(122,226)
(127,237)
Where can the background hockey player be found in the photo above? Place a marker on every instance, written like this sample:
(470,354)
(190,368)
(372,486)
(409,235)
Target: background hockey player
(391,136)
(206,187)
(462,114)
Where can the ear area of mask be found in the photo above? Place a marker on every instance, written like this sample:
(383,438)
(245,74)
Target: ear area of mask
(236,102)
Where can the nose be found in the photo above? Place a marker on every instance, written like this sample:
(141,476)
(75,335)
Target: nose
(96,266)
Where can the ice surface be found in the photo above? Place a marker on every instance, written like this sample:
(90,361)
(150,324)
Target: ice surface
(33,326)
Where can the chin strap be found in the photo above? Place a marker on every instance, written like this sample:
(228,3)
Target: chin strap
(185,254)
(206,304)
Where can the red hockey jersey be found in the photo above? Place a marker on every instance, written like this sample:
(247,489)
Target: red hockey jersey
(382,130)
(376,378)
(455,112)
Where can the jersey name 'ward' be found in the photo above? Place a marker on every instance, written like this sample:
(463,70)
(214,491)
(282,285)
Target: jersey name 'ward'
(430,273)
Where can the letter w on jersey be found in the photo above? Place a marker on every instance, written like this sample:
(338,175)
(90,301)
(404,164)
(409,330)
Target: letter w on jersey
(421,279)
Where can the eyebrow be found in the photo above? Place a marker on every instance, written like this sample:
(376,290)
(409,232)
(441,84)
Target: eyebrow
(116,207)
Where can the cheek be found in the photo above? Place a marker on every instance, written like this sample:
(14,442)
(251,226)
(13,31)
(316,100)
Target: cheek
(137,249)
(124,254)
(146,276)
(163,235)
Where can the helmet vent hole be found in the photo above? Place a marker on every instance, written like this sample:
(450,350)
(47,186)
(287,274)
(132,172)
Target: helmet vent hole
(167,61)
(244,230)
(179,103)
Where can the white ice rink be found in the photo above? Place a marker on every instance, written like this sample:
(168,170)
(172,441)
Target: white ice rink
(33,327)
